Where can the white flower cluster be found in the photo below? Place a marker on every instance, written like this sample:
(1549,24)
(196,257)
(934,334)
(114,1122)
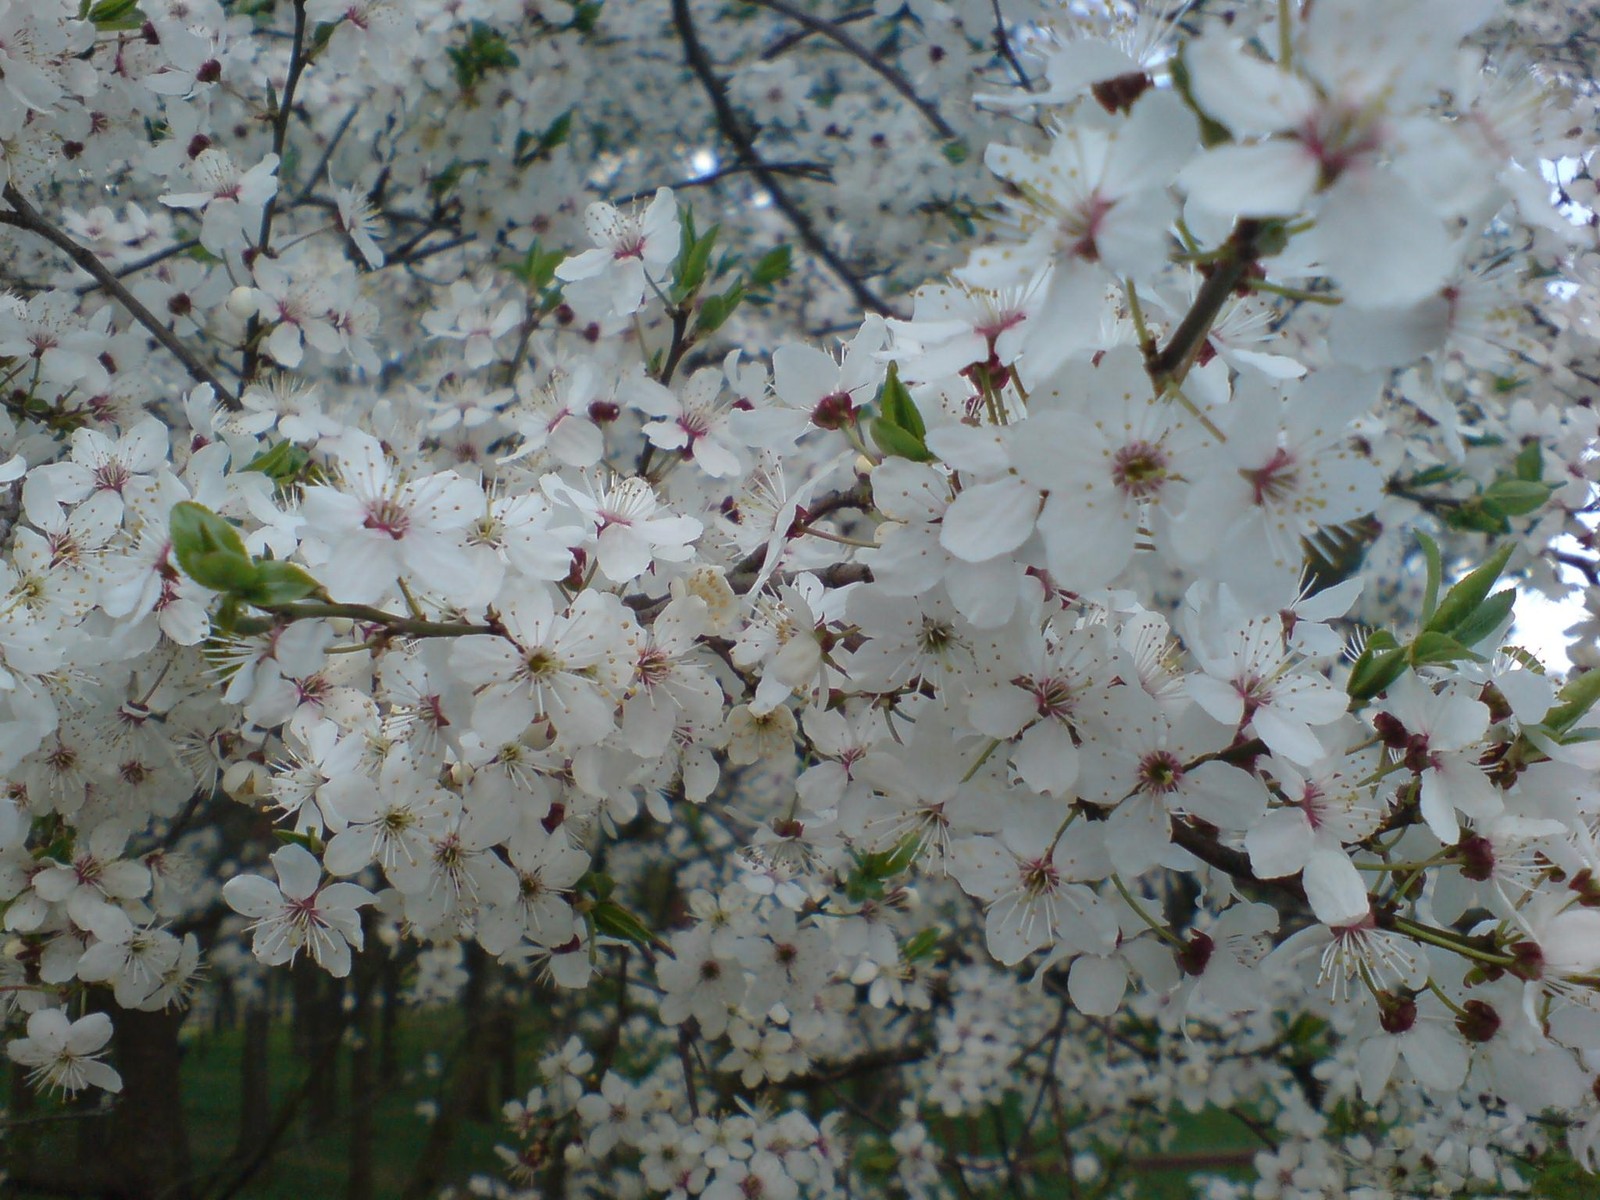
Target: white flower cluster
(1132,612)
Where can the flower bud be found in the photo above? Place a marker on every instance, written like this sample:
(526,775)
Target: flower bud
(242,302)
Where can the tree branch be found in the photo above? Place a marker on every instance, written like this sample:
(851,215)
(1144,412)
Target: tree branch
(728,121)
(874,61)
(24,216)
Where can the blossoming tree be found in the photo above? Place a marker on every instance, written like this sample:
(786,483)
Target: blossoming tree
(931,585)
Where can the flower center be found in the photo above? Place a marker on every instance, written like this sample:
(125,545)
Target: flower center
(388,516)
(1139,469)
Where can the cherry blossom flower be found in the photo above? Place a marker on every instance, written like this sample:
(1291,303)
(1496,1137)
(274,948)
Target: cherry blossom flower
(66,1054)
(630,253)
(299,912)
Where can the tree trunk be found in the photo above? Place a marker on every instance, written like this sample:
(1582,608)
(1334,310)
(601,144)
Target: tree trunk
(149,1138)
(255,1093)
(389,1028)
(363,1088)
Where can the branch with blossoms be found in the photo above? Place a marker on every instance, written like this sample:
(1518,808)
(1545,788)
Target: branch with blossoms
(1133,613)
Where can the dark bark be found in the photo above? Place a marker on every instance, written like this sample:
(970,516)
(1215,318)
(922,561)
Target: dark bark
(363,1088)
(148,1136)
(255,1096)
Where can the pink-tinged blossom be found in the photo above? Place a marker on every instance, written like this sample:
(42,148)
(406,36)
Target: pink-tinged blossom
(631,253)
(377,526)
(628,535)
(552,665)
(65,1054)
(232,199)
(299,913)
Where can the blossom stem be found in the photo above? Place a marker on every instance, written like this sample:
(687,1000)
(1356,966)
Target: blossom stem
(1445,941)
(367,615)
(1289,293)
(994,744)
(1156,926)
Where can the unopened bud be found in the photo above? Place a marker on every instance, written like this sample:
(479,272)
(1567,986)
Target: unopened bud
(242,302)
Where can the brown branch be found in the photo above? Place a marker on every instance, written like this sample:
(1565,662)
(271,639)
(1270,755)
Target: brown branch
(872,60)
(24,216)
(795,36)
(280,138)
(733,129)
(1171,363)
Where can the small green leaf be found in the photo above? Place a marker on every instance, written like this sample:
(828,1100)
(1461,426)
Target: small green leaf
(1430,597)
(694,258)
(1516,497)
(290,838)
(1432,475)
(1529,463)
(278,582)
(282,463)
(772,267)
(715,310)
(897,407)
(209,550)
(613,920)
(1374,671)
(1486,619)
(110,15)
(897,442)
(922,945)
(1461,601)
(955,151)
(537,270)
(1438,648)
(1577,696)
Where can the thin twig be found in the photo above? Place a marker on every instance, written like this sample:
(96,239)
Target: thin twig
(874,61)
(280,139)
(733,129)
(818,171)
(149,260)
(24,216)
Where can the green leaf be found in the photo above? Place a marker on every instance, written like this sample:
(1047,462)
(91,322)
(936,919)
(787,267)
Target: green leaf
(1438,648)
(279,583)
(1475,516)
(772,267)
(485,50)
(694,257)
(1577,696)
(282,463)
(715,310)
(955,151)
(537,270)
(1463,599)
(1486,618)
(1432,475)
(1430,597)
(530,146)
(109,15)
(922,945)
(1374,671)
(290,838)
(1517,497)
(209,550)
(897,442)
(1529,463)
(613,920)
(897,407)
